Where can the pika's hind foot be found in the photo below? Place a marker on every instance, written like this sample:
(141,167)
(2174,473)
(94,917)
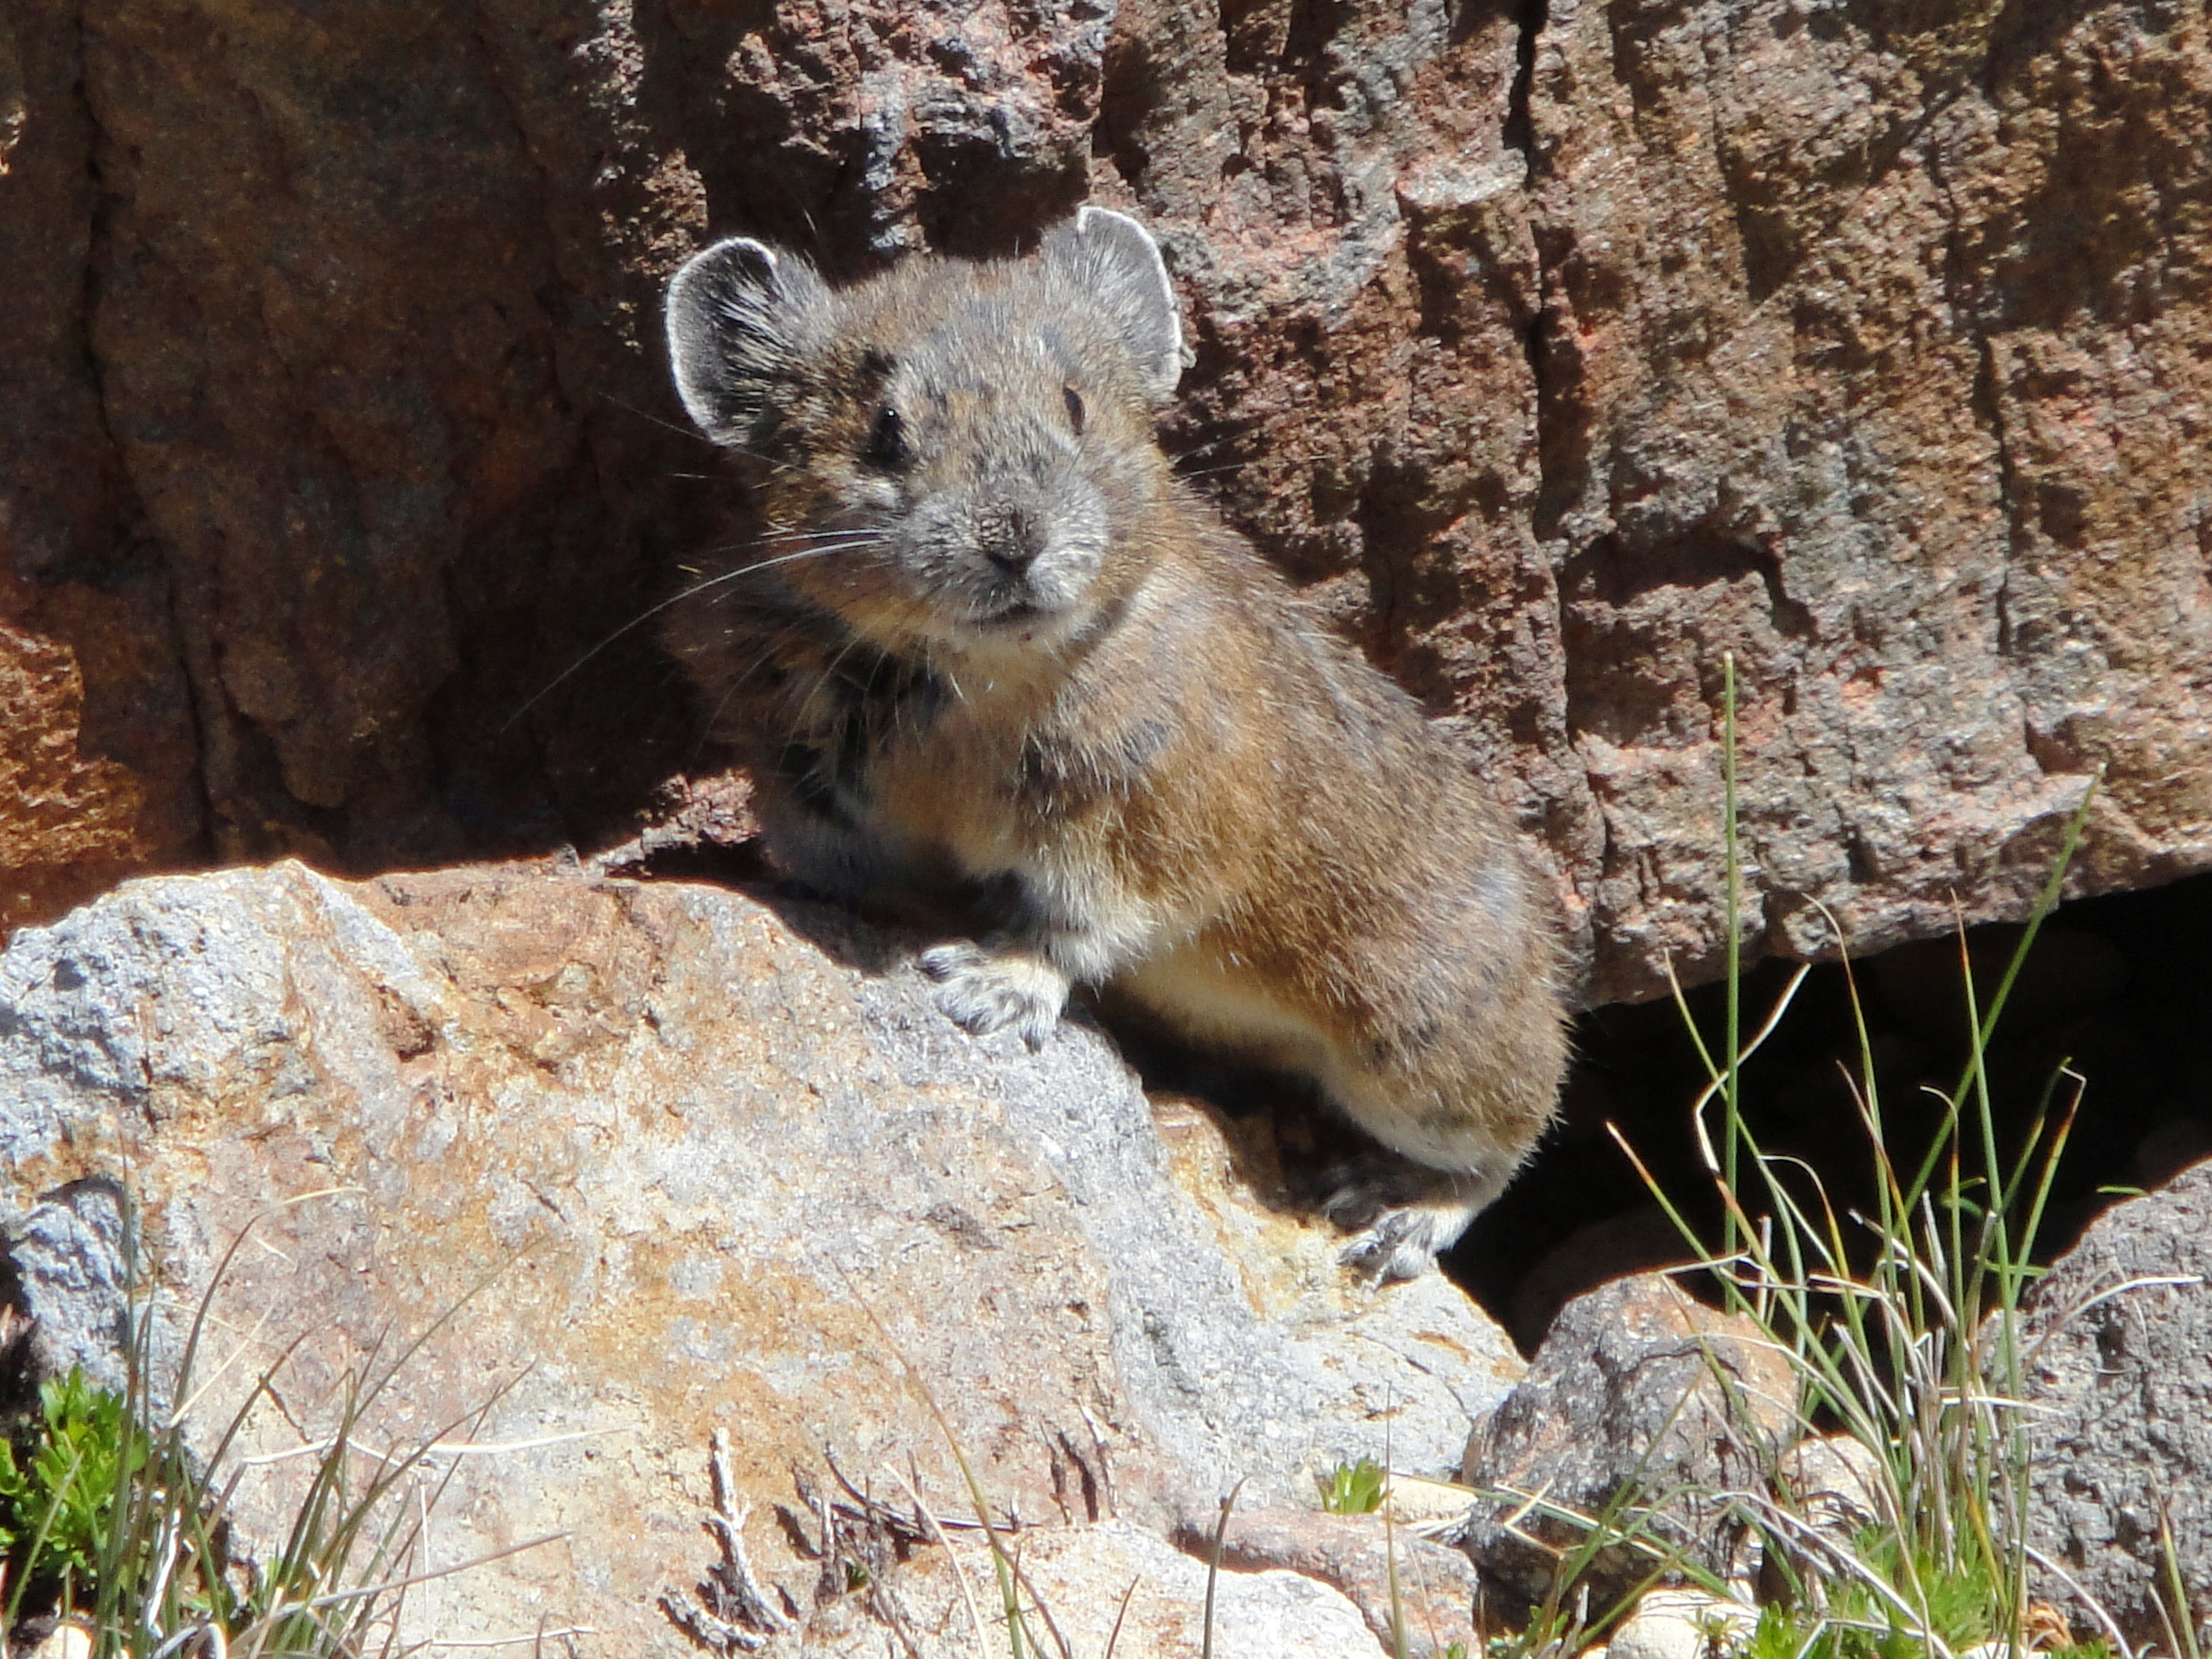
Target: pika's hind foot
(1403,1243)
(1406,1216)
(984,990)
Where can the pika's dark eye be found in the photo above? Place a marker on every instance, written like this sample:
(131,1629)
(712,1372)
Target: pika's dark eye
(887,446)
(1074,408)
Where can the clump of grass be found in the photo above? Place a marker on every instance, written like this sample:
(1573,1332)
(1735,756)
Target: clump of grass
(110,1520)
(1901,1325)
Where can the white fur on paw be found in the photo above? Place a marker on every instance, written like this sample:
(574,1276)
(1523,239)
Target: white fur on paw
(1403,1243)
(984,992)
(1406,1215)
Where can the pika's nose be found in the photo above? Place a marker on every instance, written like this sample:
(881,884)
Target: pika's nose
(1011,538)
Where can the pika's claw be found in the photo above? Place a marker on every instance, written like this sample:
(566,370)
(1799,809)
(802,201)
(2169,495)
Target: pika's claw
(1406,1216)
(1403,1245)
(984,991)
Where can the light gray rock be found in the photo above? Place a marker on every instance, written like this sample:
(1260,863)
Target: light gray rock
(2120,1408)
(67,1254)
(641,1161)
(1683,1625)
(1390,1575)
(1835,1482)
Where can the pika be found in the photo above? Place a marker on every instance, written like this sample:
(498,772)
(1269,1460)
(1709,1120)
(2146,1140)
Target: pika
(982,637)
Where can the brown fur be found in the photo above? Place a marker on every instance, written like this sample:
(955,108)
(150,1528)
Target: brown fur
(1172,776)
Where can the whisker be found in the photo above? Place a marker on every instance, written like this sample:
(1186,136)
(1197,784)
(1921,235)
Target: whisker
(651,612)
(648,415)
(812,552)
(756,541)
(695,434)
(1231,467)
(1216,443)
(715,721)
(805,713)
(825,536)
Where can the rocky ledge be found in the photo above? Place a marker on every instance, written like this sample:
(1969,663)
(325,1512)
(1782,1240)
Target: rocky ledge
(631,1176)
(638,1163)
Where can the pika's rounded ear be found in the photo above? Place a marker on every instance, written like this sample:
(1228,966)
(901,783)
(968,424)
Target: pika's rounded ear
(1113,259)
(740,315)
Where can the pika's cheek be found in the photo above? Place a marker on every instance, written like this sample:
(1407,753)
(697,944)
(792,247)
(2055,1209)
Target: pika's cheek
(1065,570)
(1074,549)
(865,495)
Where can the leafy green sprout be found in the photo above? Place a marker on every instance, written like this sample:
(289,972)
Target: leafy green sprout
(58,1500)
(1353,1488)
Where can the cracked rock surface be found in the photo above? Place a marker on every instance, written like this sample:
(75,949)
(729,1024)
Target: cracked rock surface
(1557,351)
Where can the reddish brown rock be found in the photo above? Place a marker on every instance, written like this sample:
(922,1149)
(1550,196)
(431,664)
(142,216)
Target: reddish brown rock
(1867,356)
(1641,1403)
(1558,355)
(67,820)
(97,771)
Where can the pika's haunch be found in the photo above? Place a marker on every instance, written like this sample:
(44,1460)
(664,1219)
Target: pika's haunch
(984,636)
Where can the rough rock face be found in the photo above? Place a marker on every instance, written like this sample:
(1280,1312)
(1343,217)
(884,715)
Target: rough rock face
(638,1162)
(1084,1578)
(1638,1390)
(1559,350)
(1869,356)
(1436,1588)
(2120,1407)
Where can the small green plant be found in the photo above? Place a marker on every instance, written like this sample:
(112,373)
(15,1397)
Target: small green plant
(57,1501)
(1861,1624)
(1353,1488)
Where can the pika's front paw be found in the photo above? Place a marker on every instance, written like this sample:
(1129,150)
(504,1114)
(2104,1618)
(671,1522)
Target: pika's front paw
(986,991)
